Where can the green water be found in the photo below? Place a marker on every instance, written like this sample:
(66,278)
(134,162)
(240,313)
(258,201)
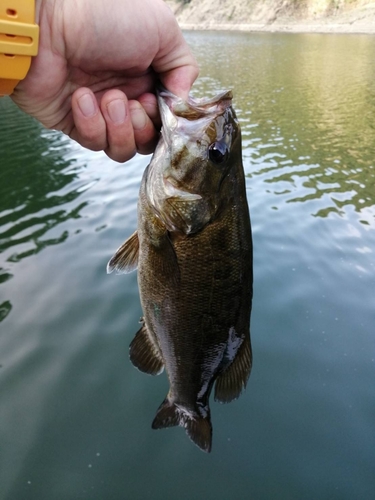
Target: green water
(75,416)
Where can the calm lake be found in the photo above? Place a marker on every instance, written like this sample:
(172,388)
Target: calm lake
(75,415)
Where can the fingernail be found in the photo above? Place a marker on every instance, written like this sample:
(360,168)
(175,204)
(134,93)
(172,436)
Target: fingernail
(117,111)
(87,105)
(138,117)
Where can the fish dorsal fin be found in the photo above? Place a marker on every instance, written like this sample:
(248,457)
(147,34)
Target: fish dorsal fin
(125,260)
(144,354)
(232,381)
(199,429)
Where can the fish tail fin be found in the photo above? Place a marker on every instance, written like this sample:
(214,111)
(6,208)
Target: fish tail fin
(199,429)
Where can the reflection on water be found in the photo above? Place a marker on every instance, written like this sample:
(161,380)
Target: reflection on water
(307,107)
(5,309)
(75,415)
(39,185)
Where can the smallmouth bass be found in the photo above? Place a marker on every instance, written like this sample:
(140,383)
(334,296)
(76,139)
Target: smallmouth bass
(193,252)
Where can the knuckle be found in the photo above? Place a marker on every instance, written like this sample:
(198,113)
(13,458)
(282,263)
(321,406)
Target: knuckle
(146,140)
(92,135)
(121,156)
(147,148)
(86,142)
(95,144)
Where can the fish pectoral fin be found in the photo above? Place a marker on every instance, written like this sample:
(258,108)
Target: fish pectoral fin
(232,381)
(144,354)
(125,260)
(199,429)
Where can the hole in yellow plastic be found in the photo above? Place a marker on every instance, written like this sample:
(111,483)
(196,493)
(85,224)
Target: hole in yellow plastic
(11,12)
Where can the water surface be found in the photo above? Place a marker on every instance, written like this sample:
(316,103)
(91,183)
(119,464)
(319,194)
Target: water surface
(75,415)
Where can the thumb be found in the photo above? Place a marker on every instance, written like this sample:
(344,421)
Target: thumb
(180,80)
(174,63)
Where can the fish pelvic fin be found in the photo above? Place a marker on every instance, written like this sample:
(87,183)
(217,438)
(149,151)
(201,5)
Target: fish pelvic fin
(198,428)
(231,382)
(144,353)
(125,260)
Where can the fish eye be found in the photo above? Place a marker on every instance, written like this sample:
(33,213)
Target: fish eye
(218,152)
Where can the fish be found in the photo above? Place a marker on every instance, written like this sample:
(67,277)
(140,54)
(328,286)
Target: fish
(194,255)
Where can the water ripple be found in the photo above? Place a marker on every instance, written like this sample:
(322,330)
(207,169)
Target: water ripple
(42,183)
(306,105)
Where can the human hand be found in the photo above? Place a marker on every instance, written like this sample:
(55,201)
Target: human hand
(96,69)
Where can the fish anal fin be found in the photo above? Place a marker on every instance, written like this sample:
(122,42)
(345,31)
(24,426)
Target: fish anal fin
(125,260)
(144,354)
(232,381)
(198,428)
(166,416)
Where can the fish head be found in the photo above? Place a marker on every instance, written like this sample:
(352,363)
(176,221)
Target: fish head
(200,144)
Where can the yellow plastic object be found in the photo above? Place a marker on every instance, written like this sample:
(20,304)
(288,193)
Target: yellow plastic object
(19,38)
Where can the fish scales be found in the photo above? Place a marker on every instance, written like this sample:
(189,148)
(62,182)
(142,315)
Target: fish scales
(193,250)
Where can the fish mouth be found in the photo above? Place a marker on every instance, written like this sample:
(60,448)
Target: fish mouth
(191,117)
(179,194)
(193,108)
